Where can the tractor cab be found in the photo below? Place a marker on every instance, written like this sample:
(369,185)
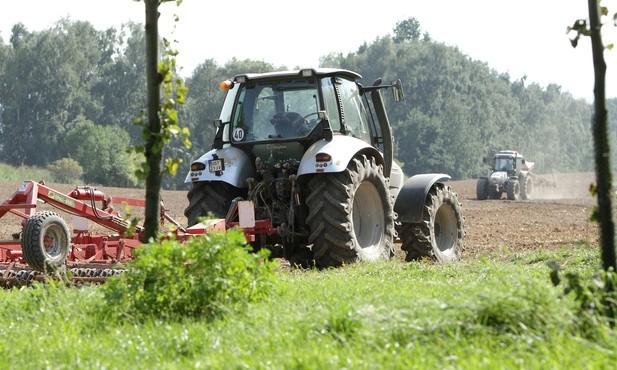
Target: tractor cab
(508,161)
(279,115)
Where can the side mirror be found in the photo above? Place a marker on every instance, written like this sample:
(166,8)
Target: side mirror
(325,125)
(397,90)
(218,136)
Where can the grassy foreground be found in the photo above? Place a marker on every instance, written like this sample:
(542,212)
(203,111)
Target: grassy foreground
(480,314)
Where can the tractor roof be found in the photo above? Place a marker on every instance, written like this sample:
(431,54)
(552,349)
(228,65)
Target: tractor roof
(508,154)
(307,72)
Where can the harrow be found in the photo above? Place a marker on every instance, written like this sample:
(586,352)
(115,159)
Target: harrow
(45,247)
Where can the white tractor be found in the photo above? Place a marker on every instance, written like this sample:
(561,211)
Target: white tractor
(303,162)
(510,174)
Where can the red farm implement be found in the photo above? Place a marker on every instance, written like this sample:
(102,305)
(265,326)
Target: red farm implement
(45,245)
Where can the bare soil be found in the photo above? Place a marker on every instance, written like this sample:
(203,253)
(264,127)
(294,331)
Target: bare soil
(554,217)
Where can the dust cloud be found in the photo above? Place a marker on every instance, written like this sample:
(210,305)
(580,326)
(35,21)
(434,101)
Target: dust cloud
(563,185)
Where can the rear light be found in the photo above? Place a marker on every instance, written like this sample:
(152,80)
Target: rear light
(198,166)
(323,157)
(322,160)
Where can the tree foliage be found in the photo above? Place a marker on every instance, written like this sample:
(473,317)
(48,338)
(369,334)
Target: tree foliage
(456,110)
(101,152)
(121,84)
(407,30)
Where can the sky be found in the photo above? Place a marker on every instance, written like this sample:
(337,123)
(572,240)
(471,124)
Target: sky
(523,38)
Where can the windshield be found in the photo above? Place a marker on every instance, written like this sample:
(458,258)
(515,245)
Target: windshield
(504,164)
(275,110)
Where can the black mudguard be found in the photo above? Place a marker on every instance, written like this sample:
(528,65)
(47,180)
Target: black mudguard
(409,204)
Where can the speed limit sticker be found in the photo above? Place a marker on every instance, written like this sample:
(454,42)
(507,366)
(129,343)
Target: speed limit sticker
(238,134)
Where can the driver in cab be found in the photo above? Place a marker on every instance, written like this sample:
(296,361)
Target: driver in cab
(288,124)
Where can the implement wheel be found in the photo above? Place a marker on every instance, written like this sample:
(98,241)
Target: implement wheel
(45,242)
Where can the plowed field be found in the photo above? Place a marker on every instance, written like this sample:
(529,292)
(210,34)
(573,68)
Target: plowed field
(554,217)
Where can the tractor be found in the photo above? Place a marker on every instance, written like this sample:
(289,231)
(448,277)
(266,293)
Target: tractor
(302,160)
(510,174)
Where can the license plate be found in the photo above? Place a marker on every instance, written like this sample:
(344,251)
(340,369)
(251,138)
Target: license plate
(215,165)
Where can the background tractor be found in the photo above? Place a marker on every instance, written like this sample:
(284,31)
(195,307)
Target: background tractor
(510,174)
(303,162)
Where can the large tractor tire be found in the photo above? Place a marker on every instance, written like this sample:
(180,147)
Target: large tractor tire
(482,188)
(526,186)
(45,242)
(513,189)
(213,197)
(351,215)
(440,235)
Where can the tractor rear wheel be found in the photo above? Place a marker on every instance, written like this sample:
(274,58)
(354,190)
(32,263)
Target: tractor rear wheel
(526,186)
(351,215)
(513,189)
(482,188)
(209,197)
(45,242)
(440,234)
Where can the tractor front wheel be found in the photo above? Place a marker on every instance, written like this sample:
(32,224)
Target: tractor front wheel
(351,215)
(45,242)
(440,235)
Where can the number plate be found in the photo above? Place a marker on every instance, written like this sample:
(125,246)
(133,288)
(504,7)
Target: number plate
(215,165)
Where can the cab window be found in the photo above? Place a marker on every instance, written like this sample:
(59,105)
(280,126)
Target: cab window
(354,114)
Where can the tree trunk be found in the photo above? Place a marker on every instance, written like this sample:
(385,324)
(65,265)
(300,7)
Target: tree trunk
(604,177)
(153,150)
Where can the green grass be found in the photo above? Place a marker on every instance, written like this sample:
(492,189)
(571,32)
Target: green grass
(480,314)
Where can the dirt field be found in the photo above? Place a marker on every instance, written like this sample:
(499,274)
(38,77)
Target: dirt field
(555,217)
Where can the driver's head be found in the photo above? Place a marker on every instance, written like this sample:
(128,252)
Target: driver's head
(280,119)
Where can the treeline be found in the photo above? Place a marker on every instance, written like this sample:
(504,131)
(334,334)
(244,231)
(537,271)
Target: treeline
(69,96)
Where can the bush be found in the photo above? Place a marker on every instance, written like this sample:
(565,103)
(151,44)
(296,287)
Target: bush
(101,151)
(205,276)
(596,299)
(66,171)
